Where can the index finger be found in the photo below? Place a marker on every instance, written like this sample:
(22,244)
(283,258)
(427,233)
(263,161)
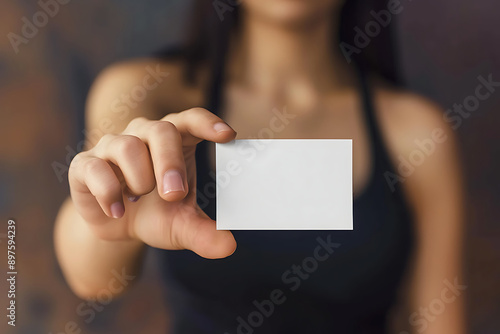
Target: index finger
(199,124)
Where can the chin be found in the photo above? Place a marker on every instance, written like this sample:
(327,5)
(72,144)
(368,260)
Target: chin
(290,12)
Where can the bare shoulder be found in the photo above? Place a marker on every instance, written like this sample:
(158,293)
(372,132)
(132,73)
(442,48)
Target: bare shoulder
(407,117)
(422,144)
(145,87)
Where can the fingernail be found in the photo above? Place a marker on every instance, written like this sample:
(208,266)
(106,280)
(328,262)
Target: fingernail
(117,210)
(172,181)
(133,198)
(219,127)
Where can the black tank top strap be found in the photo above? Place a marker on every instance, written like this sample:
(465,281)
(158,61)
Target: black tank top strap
(214,103)
(169,52)
(383,166)
(215,88)
(378,146)
(214,91)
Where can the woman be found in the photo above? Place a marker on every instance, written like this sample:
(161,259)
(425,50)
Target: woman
(266,55)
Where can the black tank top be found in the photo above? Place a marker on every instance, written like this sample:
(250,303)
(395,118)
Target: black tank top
(347,280)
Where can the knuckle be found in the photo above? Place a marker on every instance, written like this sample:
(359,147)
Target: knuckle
(136,123)
(161,127)
(129,145)
(184,237)
(174,236)
(197,111)
(105,140)
(93,166)
(170,116)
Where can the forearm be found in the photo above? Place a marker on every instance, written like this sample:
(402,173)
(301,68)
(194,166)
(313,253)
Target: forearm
(90,264)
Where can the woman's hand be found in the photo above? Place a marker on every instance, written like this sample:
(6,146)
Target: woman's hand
(113,184)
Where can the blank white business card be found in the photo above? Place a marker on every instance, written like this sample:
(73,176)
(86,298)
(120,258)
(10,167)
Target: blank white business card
(284,184)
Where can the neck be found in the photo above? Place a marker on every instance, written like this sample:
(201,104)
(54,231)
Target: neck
(274,58)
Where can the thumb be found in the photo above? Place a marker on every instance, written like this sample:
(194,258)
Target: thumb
(189,228)
(200,236)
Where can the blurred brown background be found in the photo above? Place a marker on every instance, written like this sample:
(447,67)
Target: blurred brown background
(444,45)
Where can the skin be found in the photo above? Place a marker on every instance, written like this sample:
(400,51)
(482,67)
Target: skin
(281,59)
